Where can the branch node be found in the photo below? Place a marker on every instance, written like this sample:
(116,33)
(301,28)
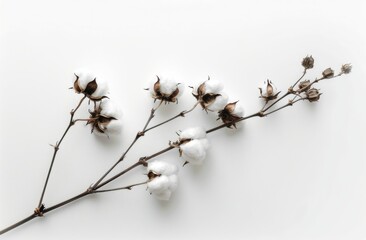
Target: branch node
(39,210)
(143,162)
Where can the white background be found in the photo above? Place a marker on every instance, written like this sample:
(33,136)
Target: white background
(298,174)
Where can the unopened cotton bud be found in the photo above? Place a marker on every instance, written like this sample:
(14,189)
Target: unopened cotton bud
(231,113)
(163,179)
(308,62)
(88,84)
(268,91)
(346,68)
(328,73)
(313,95)
(166,89)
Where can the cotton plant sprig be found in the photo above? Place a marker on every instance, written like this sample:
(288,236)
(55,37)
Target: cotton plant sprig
(192,143)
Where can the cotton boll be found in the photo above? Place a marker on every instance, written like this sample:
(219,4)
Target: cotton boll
(165,89)
(194,151)
(231,114)
(168,86)
(268,91)
(238,111)
(213,86)
(219,103)
(110,108)
(163,179)
(106,118)
(193,133)
(84,77)
(159,167)
(88,84)
(158,184)
(102,89)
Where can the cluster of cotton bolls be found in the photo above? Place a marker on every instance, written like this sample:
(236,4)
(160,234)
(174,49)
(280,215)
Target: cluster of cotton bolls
(192,143)
(105,117)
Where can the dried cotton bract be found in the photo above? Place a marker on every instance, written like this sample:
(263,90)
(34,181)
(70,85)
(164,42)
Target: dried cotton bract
(209,94)
(166,90)
(192,145)
(106,118)
(88,84)
(163,179)
(231,113)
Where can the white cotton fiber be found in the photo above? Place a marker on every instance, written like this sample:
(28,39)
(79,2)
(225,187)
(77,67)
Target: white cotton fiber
(193,133)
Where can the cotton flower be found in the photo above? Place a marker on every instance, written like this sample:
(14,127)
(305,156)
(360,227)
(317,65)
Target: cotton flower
(192,145)
(209,94)
(268,91)
(88,84)
(106,118)
(166,89)
(163,179)
(231,113)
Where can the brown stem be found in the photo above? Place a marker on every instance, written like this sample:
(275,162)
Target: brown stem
(129,187)
(181,114)
(57,147)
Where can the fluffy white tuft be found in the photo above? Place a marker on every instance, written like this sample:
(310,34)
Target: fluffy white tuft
(193,133)
(194,151)
(85,77)
(213,86)
(238,110)
(110,108)
(219,103)
(102,89)
(164,168)
(162,186)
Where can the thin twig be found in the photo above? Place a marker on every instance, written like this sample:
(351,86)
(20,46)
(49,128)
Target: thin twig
(181,114)
(129,187)
(56,148)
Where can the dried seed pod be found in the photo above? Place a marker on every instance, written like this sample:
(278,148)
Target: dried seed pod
(308,62)
(328,73)
(346,68)
(304,86)
(313,95)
